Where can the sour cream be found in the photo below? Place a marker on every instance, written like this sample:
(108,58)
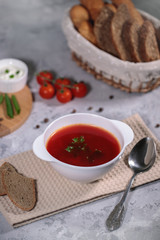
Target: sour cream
(13,75)
(10,73)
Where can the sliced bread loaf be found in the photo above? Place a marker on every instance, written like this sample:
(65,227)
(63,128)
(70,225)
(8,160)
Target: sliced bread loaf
(148,45)
(20,189)
(130,36)
(5,166)
(102,30)
(120,17)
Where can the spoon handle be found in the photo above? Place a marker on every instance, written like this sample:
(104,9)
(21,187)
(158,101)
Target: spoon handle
(116,217)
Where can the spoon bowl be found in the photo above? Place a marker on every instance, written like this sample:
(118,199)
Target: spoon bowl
(142,155)
(141,159)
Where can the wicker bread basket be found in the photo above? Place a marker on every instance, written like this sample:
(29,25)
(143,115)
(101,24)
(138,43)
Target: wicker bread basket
(127,76)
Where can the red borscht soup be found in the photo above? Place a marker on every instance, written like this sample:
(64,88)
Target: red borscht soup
(83,145)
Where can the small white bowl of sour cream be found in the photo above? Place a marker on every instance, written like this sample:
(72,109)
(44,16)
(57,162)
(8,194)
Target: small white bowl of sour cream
(13,75)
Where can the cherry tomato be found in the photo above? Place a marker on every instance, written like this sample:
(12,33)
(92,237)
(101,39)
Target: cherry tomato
(79,89)
(62,82)
(44,77)
(64,95)
(47,91)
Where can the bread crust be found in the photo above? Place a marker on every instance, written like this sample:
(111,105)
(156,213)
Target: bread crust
(158,36)
(120,17)
(78,14)
(102,30)
(94,7)
(148,45)
(130,36)
(132,10)
(4,166)
(111,6)
(86,30)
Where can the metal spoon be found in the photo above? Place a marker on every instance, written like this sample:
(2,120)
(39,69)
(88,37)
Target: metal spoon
(141,159)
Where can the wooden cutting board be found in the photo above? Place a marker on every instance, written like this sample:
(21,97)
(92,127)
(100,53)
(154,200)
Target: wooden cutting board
(7,124)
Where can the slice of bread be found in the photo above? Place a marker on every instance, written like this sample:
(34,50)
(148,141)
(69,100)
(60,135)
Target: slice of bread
(148,45)
(120,17)
(102,30)
(130,36)
(4,166)
(132,10)
(20,189)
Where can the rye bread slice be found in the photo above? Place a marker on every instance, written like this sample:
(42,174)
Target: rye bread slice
(132,10)
(20,189)
(102,30)
(4,166)
(130,36)
(120,17)
(148,45)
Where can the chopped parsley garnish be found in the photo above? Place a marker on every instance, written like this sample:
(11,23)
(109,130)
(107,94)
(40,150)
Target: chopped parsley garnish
(18,72)
(11,76)
(69,148)
(7,71)
(78,139)
(77,142)
(78,146)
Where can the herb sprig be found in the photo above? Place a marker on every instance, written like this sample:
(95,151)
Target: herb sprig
(77,142)
(78,146)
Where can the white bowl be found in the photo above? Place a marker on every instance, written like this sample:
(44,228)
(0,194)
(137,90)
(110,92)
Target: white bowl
(17,83)
(120,130)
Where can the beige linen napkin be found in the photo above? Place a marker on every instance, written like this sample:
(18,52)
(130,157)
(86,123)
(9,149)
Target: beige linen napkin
(56,193)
